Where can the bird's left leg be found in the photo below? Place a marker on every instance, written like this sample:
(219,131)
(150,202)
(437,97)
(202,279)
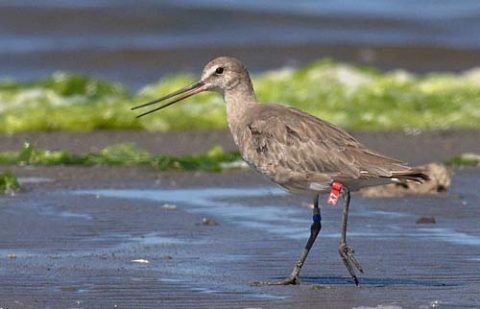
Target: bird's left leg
(345,252)
(314,230)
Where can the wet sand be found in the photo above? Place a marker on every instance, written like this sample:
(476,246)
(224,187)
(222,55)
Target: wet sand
(69,239)
(416,147)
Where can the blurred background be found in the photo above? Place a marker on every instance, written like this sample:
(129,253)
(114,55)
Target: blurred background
(375,65)
(136,42)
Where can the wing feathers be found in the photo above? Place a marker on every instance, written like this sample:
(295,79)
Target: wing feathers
(280,137)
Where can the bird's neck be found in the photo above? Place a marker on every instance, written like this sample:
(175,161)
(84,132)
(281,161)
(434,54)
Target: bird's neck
(239,101)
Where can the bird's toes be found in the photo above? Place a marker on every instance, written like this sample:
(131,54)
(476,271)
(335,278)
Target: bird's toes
(354,261)
(348,253)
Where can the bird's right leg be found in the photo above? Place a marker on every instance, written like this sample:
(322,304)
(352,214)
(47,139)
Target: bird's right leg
(314,230)
(345,252)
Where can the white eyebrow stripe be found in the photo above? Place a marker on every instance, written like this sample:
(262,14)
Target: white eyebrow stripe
(212,70)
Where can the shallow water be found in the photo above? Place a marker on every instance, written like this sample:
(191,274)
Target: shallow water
(271,218)
(442,23)
(81,244)
(33,180)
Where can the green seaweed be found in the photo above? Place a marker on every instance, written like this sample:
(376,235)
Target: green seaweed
(8,183)
(29,155)
(466,159)
(350,96)
(214,160)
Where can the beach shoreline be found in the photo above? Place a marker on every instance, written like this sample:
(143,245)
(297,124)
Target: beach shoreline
(133,236)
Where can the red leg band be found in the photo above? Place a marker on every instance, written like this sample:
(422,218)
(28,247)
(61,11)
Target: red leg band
(335,193)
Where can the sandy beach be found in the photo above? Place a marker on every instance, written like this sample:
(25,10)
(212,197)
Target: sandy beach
(135,237)
(132,237)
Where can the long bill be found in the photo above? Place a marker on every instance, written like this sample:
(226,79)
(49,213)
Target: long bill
(186,91)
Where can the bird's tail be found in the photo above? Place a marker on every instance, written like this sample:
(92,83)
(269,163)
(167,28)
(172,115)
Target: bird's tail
(415,174)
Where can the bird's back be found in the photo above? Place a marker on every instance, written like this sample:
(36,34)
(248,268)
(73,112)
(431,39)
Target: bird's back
(304,153)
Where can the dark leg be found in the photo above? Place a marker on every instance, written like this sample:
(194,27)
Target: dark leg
(345,252)
(314,230)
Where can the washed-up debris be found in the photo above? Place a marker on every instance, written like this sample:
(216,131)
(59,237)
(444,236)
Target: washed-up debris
(379,307)
(440,178)
(8,183)
(169,206)
(208,221)
(141,261)
(432,304)
(239,164)
(426,220)
(465,159)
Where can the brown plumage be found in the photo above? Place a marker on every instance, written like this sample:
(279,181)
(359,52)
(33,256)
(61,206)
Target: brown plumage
(305,154)
(296,150)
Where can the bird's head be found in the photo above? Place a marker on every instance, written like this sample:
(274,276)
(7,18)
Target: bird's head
(224,73)
(220,74)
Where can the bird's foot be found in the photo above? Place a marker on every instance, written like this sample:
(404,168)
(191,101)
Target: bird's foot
(349,259)
(286,281)
(349,254)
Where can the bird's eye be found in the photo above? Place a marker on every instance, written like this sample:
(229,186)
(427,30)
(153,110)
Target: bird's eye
(219,70)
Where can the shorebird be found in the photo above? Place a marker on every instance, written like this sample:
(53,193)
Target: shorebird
(296,150)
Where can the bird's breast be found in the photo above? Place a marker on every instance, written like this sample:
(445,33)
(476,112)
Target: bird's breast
(257,155)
